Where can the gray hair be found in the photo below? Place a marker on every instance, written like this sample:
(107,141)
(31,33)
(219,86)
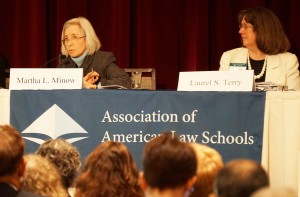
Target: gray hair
(64,156)
(92,41)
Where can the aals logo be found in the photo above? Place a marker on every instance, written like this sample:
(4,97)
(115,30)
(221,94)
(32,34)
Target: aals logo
(54,123)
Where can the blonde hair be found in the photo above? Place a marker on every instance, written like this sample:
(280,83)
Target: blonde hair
(92,41)
(41,177)
(209,163)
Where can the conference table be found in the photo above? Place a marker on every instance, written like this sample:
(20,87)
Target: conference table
(280,153)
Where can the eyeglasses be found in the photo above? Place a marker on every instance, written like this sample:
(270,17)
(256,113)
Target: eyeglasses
(73,38)
(245,26)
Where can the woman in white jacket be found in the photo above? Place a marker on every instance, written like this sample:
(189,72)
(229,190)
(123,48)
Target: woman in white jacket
(264,50)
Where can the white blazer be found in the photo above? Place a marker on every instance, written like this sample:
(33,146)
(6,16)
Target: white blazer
(282,69)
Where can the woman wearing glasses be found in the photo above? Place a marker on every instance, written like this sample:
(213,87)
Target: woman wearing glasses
(81,46)
(264,50)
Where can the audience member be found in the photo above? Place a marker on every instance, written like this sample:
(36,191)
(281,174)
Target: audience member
(12,163)
(64,156)
(42,177)
(169,167)
(109,171)
(274,192)
(240,177)
(82,47)
(265,49)
(209,163)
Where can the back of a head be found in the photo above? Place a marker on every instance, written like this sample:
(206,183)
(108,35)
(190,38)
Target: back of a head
(11,149)
(240,177)
(42,177)
(109,170)
(167,162)
(209,163)
(64,156)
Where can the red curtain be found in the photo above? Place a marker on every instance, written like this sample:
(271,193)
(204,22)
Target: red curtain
(169,35)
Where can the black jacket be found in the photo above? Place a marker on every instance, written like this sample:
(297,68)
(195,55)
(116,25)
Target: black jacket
(103,63)
(7,191)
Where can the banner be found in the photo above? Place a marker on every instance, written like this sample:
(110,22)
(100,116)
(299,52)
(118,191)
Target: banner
(231,122)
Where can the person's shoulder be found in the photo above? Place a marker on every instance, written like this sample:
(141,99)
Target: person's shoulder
(27,194)
(105,53)
(104,57)
(237,50)
(7,190)
(285,56)
(235,54)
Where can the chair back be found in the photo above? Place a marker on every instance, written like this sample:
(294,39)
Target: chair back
(142,78)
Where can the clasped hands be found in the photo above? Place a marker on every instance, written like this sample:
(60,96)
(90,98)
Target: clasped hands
(90,79)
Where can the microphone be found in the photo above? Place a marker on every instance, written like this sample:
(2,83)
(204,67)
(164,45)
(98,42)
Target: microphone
(64,62)
(60,57)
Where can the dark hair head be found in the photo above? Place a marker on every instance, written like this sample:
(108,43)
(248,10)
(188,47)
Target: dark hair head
(241,177)
(168,162)
(11,149)
(270,37)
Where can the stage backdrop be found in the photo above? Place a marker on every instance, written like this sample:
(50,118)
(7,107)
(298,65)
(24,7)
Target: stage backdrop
(231,122)
(169,35)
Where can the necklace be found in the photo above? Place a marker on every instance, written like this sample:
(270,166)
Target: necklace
(262,70)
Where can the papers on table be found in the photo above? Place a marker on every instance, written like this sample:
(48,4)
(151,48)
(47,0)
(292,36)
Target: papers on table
(269,86)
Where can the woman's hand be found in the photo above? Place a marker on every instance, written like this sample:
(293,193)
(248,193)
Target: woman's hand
(90,79)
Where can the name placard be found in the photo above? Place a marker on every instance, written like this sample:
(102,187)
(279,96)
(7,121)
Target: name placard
(45,78)
(238,80)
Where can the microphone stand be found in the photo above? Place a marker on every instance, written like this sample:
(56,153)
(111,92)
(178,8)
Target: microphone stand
(60,57)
